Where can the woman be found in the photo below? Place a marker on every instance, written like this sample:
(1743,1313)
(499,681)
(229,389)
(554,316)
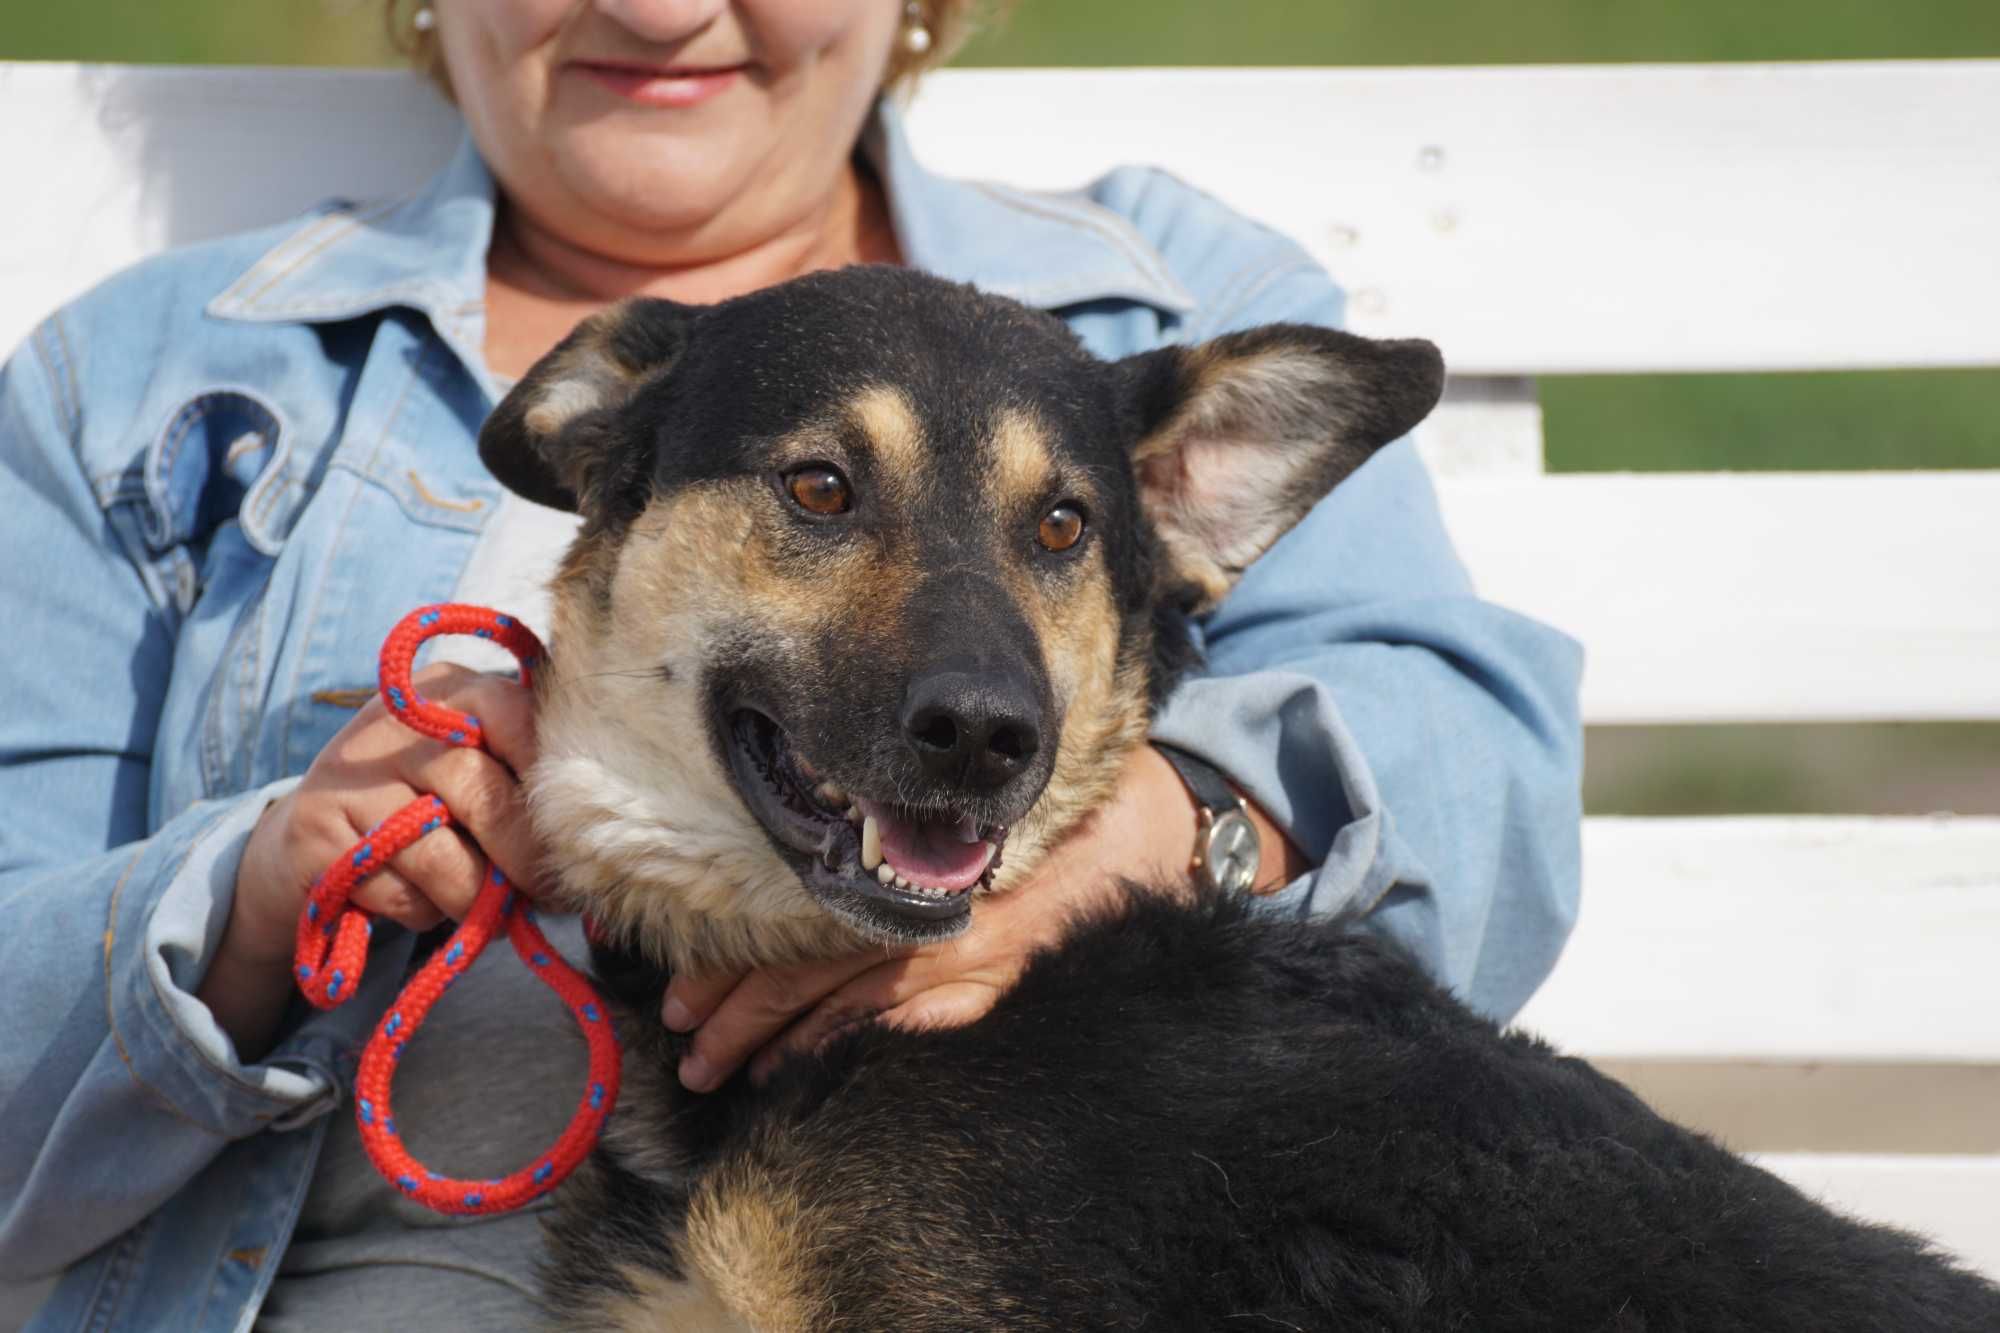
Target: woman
(230,470)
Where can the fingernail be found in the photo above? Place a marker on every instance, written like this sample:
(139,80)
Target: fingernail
(677,1015)
(695,1074)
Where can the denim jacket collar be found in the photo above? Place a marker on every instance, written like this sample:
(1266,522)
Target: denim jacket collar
(428,252)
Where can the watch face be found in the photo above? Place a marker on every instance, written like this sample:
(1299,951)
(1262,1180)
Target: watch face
(1232,854)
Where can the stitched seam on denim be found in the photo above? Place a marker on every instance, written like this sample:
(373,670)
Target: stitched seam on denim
(319,584)
(471,506)
(1218,319)
(178,429)
(333,233)
(1127,242)
(267,1271)
(277,253)
(117,1275)
(250,672)
(58,366)
(420,295)
(153,1095)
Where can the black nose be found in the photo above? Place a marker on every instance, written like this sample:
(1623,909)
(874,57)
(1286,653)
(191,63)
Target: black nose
(979,729)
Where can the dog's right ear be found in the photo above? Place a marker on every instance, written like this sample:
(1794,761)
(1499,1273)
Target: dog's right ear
(553,438)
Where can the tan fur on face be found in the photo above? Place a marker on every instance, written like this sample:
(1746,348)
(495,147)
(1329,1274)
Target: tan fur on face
(1101,699)
(1019,450)
(628,795)
(895,436)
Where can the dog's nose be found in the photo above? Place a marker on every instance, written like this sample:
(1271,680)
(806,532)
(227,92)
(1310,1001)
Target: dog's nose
(980,729)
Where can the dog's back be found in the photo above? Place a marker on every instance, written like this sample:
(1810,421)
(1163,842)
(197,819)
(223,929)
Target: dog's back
(1191,1117)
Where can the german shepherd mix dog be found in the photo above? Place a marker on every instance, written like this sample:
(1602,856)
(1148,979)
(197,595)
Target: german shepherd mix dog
(879,578)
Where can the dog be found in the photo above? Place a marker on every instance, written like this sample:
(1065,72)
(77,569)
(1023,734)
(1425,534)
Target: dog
(878,582)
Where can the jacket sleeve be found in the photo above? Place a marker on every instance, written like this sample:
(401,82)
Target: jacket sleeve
(1422,746)
(116,1084)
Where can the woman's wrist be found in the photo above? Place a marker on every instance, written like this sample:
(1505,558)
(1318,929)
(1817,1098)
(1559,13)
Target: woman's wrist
(1279,861)
(248,983)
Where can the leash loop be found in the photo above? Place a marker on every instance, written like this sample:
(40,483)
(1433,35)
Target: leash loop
(332,944)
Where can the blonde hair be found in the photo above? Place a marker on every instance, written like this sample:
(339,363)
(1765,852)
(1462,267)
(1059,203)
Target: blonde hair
(951,23)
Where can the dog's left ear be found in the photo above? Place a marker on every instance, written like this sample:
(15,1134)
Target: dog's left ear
(1239,436)
(553,438)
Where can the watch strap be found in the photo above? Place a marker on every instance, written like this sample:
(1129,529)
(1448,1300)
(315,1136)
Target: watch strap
(1211,790)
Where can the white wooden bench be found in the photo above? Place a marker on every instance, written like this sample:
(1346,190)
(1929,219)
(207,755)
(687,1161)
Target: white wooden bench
(1824,992)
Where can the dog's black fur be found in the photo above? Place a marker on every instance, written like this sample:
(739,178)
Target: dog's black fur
(1198,1118)
(1188,1116)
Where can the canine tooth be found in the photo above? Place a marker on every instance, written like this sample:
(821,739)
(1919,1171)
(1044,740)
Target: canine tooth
(968,830)
(885,872)
(871,844)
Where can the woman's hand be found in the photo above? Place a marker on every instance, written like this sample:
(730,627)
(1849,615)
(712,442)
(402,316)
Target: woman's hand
(1145,834)
(370,769)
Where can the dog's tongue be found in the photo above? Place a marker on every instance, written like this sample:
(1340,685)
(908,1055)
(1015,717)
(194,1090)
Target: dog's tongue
(933,854)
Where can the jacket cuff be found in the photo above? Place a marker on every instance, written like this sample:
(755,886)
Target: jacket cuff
(157,948)
(1279,738)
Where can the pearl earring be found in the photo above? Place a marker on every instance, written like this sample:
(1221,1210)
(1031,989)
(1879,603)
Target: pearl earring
(425,19)
(916,34)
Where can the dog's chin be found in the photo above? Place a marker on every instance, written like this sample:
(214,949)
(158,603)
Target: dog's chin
(889,871)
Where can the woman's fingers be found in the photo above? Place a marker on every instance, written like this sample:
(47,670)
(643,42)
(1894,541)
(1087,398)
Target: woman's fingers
(387,894)
(505,709)
(761,1006)
(485,799)
(690,1000)
(951,1005)
(874,992)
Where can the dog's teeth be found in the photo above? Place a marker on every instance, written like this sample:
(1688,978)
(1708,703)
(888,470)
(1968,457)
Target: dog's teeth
(830,793)
(854,815)
(968,830)
(902,883)
(885,872)
(871,845)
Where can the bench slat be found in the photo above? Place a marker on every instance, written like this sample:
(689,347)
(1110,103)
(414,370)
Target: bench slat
(1754,597)
(1530,220)
(1782,940)
(1548,220)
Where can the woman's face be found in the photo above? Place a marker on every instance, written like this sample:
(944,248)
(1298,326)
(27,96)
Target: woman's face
(666,131)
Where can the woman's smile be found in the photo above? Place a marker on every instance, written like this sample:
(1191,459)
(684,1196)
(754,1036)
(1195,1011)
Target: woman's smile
(655,86)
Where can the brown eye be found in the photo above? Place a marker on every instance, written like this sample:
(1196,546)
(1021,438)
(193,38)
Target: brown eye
(1061,528)
(819,490)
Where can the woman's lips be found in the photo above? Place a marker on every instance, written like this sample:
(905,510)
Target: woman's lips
(661,87)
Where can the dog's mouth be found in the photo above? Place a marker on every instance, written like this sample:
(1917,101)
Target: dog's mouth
(891,869)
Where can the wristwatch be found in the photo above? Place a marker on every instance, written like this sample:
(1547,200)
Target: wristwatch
(1226,846)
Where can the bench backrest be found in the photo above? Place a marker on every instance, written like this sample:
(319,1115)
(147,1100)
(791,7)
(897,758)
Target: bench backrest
(1818,988)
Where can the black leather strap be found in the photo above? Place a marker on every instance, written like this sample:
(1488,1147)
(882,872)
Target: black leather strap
(1204,779)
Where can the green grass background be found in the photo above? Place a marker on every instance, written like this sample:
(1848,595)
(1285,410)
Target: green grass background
(1936,419)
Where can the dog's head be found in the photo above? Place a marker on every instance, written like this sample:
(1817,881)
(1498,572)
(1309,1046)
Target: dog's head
(877,578)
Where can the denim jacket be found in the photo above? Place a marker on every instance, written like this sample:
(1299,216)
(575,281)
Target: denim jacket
(228,471)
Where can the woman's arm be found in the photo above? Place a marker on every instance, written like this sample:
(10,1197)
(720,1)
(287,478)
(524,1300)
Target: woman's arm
(1422,747)
(116,1085)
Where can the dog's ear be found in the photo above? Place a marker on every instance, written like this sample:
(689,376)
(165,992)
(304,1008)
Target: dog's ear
(1239,436)
(553,438)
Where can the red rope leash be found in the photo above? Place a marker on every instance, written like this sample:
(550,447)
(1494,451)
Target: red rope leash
(333,945)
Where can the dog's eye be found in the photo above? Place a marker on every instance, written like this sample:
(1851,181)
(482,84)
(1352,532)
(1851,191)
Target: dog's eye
(1062,528)
(819,489)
